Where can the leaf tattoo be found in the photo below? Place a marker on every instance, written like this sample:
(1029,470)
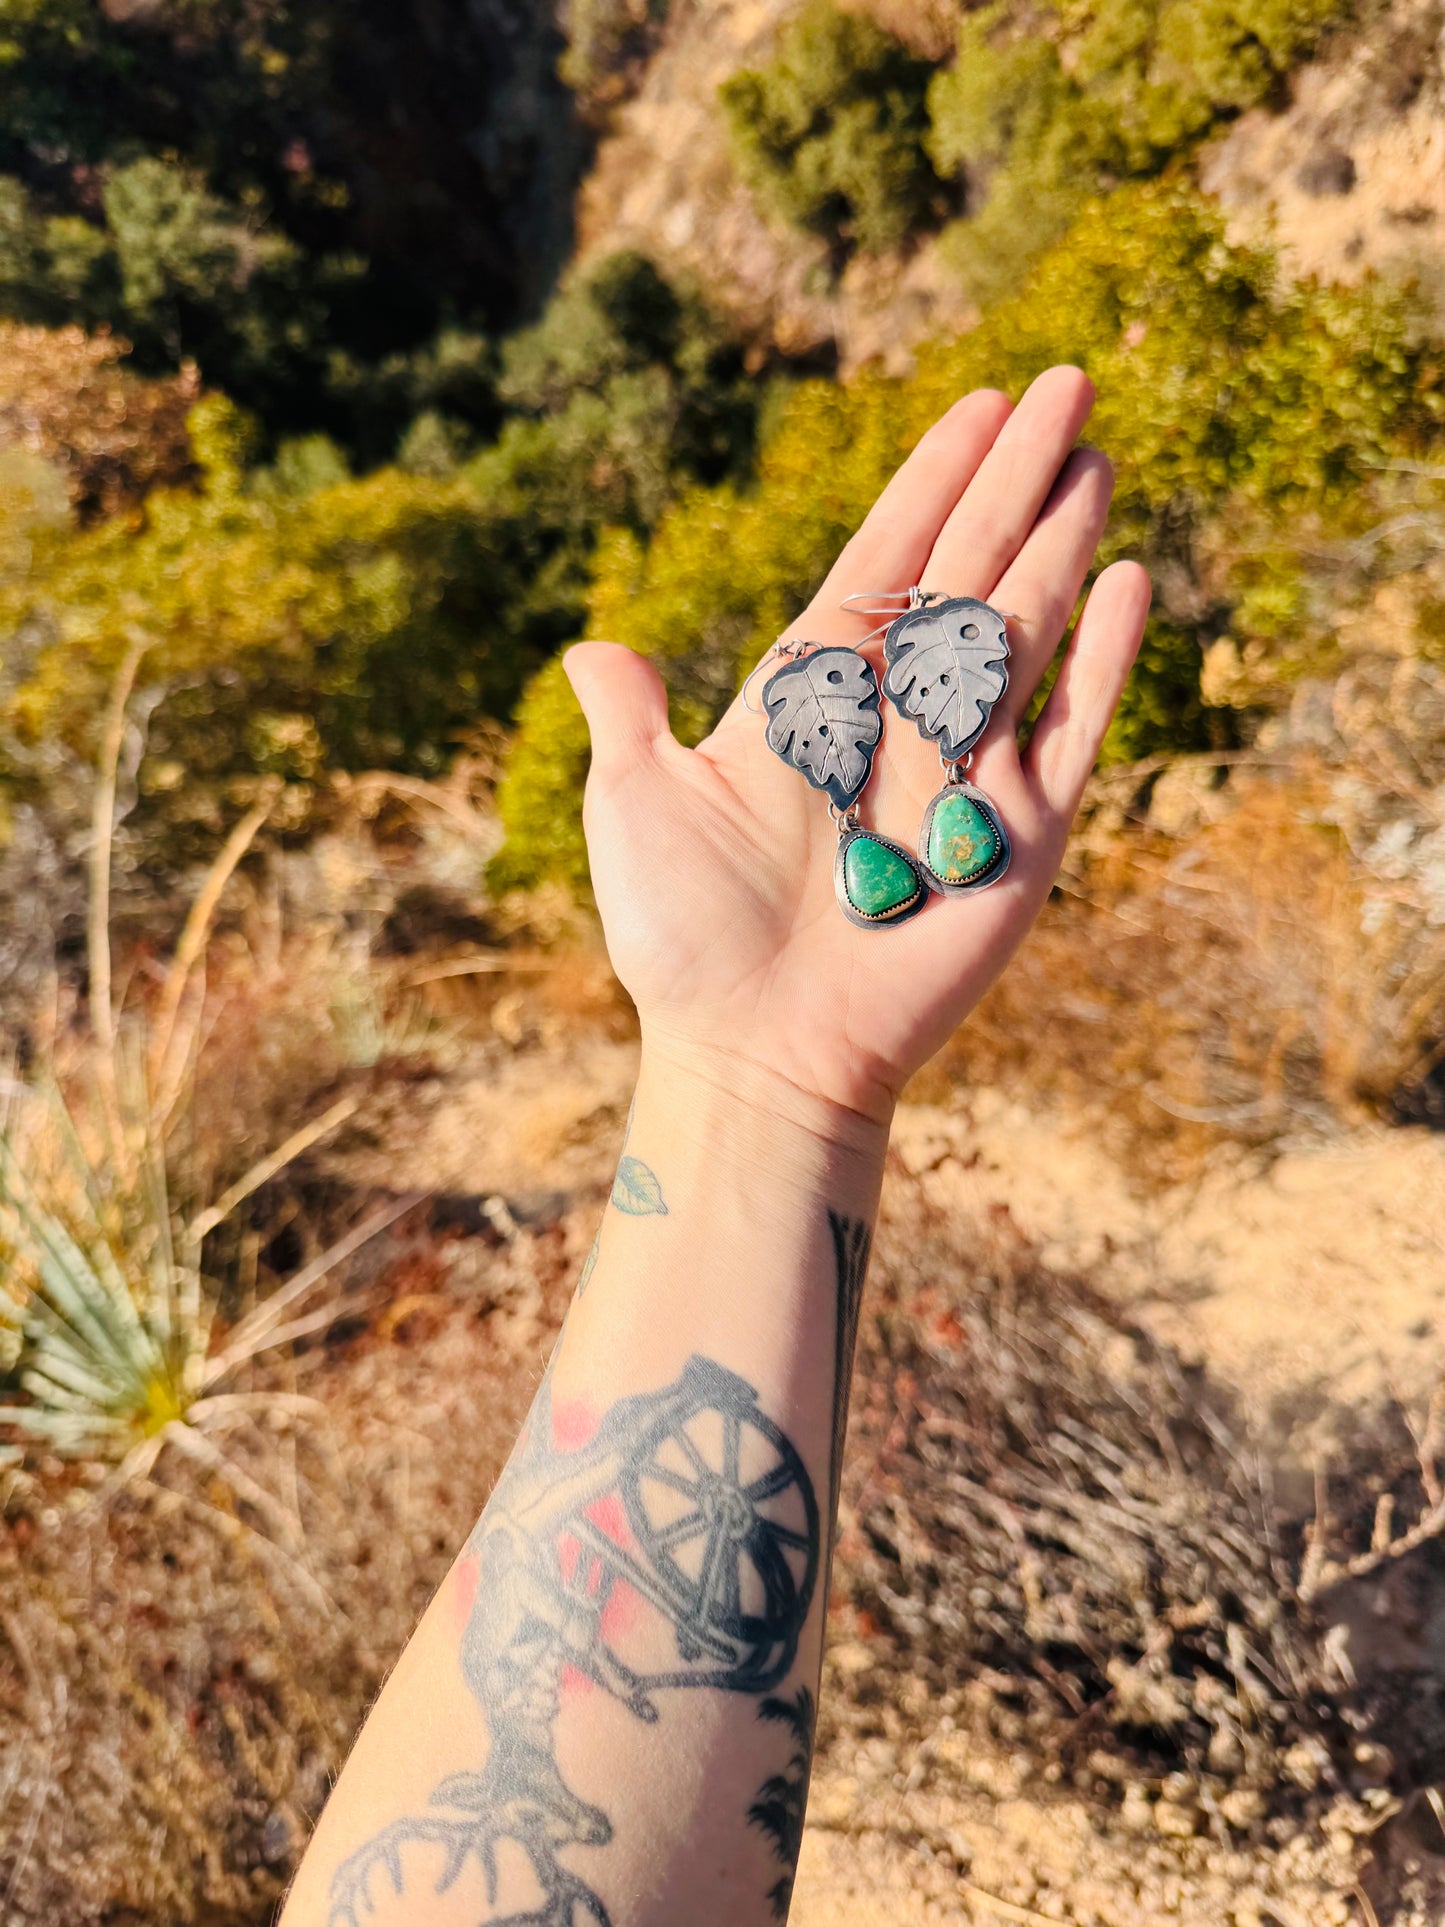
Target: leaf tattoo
(636,1190)
(946,670)
(783,1799)
(823,718)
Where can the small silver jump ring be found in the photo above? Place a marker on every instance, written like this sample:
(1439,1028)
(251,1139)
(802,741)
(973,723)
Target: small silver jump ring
(844,819)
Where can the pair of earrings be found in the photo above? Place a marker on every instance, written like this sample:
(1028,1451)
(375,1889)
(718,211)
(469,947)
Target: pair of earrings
(945,670)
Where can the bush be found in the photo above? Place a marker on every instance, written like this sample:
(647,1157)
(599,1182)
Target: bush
(607,43)
(302,619)
(831,131)
(1043,108)
(301,201)
(1240,416)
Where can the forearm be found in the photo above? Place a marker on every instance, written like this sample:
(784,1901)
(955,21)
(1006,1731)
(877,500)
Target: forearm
(609,1704)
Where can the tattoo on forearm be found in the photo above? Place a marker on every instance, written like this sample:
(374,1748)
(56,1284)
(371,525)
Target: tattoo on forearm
(782,1800)
(852,1241)
(636,1190)
(688,1509)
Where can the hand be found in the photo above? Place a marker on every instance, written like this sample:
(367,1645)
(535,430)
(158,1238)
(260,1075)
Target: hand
(713,867)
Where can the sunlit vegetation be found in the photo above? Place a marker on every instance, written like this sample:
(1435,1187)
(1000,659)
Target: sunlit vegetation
(1046,105)
(1250,424)
(831,130)
(302,619)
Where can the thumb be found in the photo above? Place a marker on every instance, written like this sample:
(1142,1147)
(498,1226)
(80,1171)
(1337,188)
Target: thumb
(623,699)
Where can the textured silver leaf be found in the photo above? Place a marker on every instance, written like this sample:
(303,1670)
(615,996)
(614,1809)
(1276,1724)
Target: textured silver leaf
(823,719)
(946,670)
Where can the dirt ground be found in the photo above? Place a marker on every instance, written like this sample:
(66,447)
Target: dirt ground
(1306,1280)
(1308,1285)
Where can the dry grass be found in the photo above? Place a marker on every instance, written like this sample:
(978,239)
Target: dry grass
(1247,982)
(176,1685)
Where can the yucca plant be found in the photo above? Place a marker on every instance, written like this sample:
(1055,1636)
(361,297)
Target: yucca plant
(112,1322)
(108,1332)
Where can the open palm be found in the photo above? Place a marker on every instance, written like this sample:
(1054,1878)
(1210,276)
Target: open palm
(713,867)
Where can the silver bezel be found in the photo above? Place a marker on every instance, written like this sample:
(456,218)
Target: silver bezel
(892,918)
(996,869)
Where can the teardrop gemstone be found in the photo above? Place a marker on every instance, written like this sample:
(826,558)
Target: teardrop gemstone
(963,840)
(878,879)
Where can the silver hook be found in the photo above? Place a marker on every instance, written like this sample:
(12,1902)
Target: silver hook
(790,650)
(888,603)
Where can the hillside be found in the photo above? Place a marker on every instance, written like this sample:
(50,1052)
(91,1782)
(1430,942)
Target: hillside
(351,365)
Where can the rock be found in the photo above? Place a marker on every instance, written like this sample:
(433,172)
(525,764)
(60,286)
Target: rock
(1175,1821)
(1243,1807)
(1137,1812)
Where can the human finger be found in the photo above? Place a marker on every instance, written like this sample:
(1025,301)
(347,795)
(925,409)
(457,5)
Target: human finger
(994,515)
(893,544)
(1040,588)
(623,699)
(1081,704)
(895,539)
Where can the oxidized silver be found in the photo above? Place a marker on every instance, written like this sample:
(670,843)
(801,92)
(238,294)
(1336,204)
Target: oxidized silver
(825,721)
(946,668)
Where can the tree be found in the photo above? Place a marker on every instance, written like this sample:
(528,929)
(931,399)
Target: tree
(830,132)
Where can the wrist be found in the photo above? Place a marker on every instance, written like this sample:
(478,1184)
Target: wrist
(730,1105)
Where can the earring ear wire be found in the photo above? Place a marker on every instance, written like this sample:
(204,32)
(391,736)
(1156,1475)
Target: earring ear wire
(788,651)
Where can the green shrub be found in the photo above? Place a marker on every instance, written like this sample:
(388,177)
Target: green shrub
(831,131)
(302,200)
(1239,414)
(303,619)
(607,43)
(1043,107)
(550,760)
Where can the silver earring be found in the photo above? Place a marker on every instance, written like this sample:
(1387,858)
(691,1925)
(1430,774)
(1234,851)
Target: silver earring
(825,721)
(946,669)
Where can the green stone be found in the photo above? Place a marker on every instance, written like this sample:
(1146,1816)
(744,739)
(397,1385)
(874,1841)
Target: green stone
(876,878)
(963,841)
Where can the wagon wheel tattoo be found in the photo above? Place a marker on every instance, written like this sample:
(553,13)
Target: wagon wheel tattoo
(724,1513)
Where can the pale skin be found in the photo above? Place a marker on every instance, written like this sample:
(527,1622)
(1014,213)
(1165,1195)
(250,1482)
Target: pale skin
(776,1038)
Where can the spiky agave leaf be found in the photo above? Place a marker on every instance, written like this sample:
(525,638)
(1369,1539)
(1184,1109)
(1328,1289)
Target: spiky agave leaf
(110,1343)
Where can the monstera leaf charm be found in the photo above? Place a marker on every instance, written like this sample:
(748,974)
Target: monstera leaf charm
(823,719)
(946,670)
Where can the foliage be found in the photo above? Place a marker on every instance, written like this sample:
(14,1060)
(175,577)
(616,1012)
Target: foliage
(627,386)
(1226,402)
(540,795)
(1046,104)
(300,619)
(353,624)
(69,397)
(830,131)
(607,43)
(304,201)
(110,1325)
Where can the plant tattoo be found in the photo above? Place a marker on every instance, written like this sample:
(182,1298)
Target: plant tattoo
(783,1800)
(691,1508)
